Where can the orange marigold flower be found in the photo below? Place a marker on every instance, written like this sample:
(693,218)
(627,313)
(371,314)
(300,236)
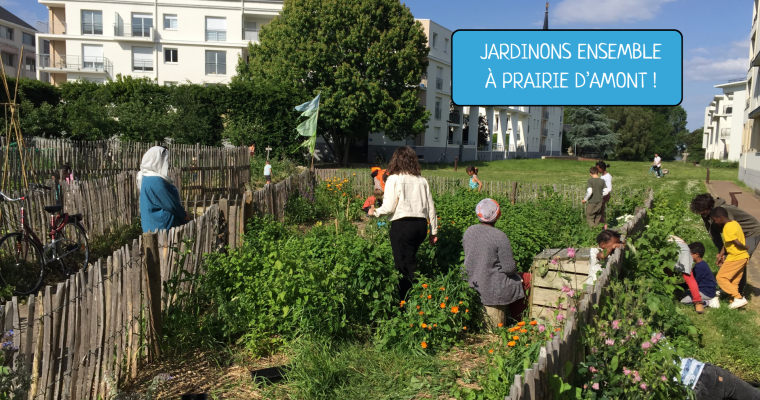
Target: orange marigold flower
(418,307)
(515,337)
(511,344)
(460,302)
(533,322)
(490,351)
(466,310)
(500,324)
(430,297)
(523,330)
(455,309)
(424,285)
(443,288)
(447,297)
(422,312)
(557,330)
(411,325)
(424,345)
(435,325)
(424,325)
(402,303)
(420,295)
(521,323)
(443,305)
(464,327)
(430,328)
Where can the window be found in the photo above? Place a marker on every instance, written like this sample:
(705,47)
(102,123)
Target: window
(445,45)
(216,29)
(435,39)
(439,78)
(92,56)
(438,108)
(251,31)
(437,133)
(30,64)
(170,22)
(142,59)
(141,24)
(170,55)
(216,62)
(92,22)
(27,39)
(9,59)
(6,33)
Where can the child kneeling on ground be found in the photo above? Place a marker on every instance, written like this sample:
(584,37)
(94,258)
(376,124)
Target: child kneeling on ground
(374,200)
(700,281)
(732,270)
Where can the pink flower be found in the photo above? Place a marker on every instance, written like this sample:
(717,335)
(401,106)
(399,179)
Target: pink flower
(585,386)
(595,386)
(636,376)
(565,289)
(572,309)
(594,350)
(551,336)
(633,333)
(592,369)
(554,261)
(664,379)
(615,324)
(541,328)
(609,342)
(571,293)
(643,386)
(560,317)
(571,252)
(646,345)
(626,371)
(641,322)
(602,334)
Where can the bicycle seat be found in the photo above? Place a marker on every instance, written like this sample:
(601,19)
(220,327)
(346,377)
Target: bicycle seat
(53,209)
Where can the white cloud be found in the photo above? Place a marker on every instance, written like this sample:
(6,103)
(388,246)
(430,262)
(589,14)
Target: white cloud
(703,69)
(605,11)
(538,23)
(700,50)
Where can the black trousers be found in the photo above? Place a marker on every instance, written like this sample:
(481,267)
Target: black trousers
(407,235)
(716,383)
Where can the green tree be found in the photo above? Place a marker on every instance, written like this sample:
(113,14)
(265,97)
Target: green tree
(693,145)
(634,124)
(591,130)
(87,111)
(366,57)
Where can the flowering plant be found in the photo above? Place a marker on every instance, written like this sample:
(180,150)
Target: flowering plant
(15,381)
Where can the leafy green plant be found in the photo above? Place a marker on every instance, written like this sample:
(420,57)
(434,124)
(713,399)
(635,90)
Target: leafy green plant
(14,382)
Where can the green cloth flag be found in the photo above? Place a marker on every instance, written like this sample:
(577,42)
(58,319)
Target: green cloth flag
(308,128)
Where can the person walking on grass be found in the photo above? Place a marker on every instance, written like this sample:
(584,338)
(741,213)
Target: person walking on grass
(475,183)
(160,205)
(607,178)
(409,203)
(268,172)
(657,164)
(730,273)
(490,264)
(704,203)
(595,192)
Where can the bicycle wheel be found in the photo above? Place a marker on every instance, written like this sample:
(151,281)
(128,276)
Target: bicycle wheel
(21,264)
(73,248)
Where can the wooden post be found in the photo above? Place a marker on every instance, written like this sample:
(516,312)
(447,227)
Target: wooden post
(152,270)
(513,194)
(707,180)
(455,163)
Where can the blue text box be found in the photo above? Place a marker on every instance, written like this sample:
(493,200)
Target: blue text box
(567,67)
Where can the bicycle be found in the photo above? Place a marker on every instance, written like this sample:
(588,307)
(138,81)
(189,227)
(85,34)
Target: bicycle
(23,257)
(443,159)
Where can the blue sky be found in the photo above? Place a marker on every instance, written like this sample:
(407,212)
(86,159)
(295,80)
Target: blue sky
(716,32)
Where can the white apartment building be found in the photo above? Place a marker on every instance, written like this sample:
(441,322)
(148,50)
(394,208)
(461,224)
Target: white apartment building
(16,34)
(724,120)
(171,42)
(749,161)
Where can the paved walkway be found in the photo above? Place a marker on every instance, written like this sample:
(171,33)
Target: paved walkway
(751,204)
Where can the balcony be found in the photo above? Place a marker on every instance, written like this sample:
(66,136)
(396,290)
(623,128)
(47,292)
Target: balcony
(134,32)
(142,65)
(453,142)
(89,28)
(454,117)
(725,133)
(439,83)
(251,35)
(469,143)
(746,105)
(497,147)
(545,115)
(216,69)
(66,63)
(54,28)
(216,35)
(727,109)
(544,132)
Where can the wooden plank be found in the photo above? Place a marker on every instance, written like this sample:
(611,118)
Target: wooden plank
(46,359)
(151,270)
(52,379)
(38,345)
(136,307)
(557,280)
(101,324)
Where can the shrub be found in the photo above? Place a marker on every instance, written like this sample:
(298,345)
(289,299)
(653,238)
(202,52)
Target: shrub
(719,164)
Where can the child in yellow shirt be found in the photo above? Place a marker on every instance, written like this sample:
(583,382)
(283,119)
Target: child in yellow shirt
(732,270)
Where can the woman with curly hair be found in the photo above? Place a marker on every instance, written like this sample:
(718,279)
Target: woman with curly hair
(408,202)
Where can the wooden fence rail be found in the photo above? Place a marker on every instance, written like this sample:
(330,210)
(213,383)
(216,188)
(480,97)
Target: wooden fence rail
(534,384)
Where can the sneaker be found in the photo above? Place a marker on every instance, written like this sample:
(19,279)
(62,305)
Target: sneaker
(738,303)
(699,308)
(714,302)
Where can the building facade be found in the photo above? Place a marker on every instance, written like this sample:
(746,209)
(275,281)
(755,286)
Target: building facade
(724,122)
(749,161)
(171,42)
(16,34)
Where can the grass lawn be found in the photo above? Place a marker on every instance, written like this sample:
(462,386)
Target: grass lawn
(624,173)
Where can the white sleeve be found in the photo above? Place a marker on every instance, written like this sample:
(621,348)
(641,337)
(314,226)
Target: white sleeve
(605,191)
(432,216)
(390,197)
(589,192)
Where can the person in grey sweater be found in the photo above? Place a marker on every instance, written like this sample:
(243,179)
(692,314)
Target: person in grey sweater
(490,265)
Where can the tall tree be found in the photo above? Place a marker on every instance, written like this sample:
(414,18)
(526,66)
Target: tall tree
(591,130)
(693,145)
(634,125)
(366,57)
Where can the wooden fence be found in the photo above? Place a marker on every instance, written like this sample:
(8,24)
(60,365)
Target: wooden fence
(534,384)
(203,169)
(515,191)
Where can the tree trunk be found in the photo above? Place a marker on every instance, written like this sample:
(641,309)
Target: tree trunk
(346,148)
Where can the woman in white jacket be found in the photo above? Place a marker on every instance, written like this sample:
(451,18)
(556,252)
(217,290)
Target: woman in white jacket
(409,203)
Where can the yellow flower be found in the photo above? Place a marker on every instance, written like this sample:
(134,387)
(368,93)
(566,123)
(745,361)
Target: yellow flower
(511,344)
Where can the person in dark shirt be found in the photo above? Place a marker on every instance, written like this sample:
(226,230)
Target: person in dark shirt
(700,282)
(595,192)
